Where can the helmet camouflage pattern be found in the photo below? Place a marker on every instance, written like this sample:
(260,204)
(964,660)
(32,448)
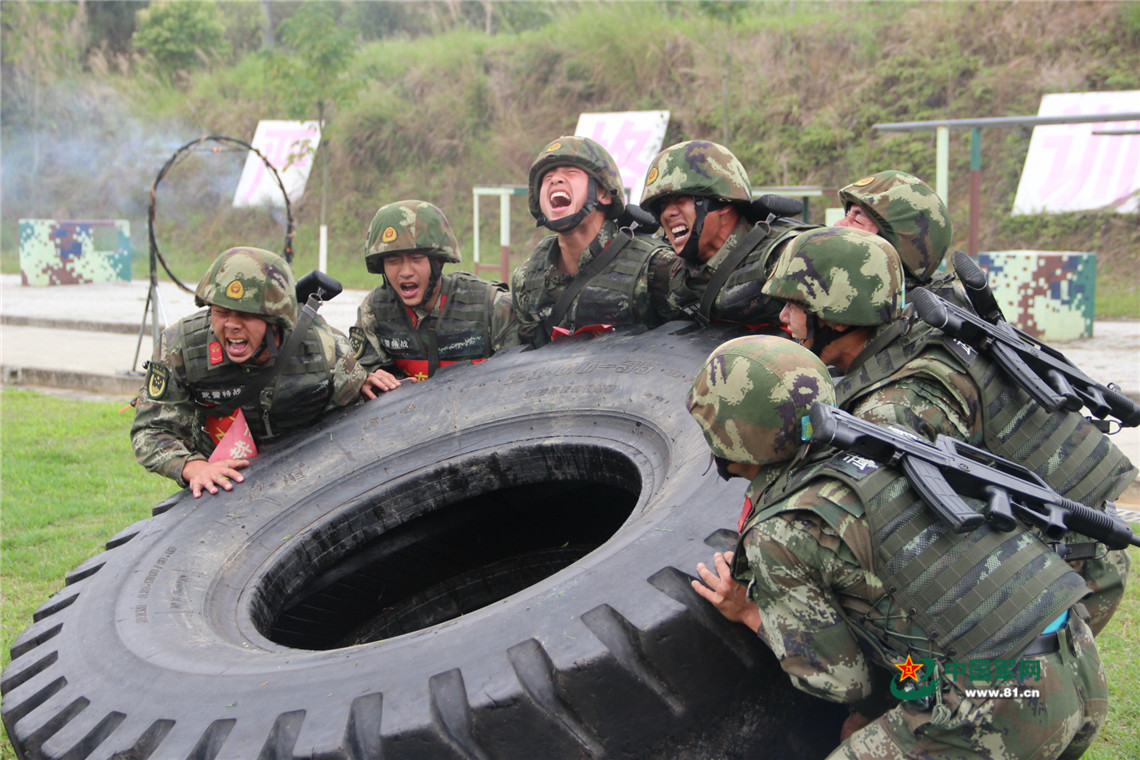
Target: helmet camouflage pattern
(910,215)
(252,281)
(752,394)
(840,274)
(695,168)
(409,227)
(586,154)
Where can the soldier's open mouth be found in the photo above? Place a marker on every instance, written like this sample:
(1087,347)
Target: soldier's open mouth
(237,348)
(409,289)
(679,233)
(559,199)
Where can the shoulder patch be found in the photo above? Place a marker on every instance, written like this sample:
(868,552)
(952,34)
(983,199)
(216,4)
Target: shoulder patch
(157,381)
(963,351)
(853,466)
(216,354)
(357,340)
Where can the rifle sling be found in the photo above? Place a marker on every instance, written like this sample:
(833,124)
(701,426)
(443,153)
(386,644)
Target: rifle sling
(727,267)
(251,391)
(602,258)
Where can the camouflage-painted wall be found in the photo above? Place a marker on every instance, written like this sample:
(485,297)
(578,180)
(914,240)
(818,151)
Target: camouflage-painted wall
(1048,295)
(69,252)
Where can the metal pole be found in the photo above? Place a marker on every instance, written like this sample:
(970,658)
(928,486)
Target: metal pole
(975,188)
(942,162)
(505,236)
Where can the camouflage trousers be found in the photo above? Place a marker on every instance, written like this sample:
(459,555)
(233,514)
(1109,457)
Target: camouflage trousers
(1106,577)
(1060,723)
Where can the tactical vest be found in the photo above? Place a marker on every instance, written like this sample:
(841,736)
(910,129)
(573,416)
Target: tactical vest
(293,400)
(983,594)
(740,299)
(608,299)
(1063,448)
(461,332)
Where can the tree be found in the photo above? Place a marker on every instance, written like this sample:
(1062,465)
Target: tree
(180,35)
(311,71)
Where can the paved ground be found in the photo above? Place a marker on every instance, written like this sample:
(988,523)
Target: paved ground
(95,338)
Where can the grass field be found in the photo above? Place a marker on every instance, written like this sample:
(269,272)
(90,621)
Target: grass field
(68,482)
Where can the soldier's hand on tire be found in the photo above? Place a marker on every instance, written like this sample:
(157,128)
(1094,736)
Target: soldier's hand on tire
(377,382)
(724,593)
(202,475)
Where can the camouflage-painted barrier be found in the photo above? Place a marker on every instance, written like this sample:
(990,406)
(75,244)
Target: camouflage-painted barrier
(1048,295)
(70,252)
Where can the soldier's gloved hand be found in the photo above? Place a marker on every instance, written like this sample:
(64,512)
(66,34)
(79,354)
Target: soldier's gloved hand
(377,382)
(729,597)
(202,475)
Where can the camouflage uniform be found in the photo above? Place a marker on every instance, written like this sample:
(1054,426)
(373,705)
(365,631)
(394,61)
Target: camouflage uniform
(910,216)
(631,289)
(816,557)
(912,375)
(190,379)
(470,321)
(852,277)
(710,173)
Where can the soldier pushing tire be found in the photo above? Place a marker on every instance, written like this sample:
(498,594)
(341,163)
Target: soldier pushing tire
(491,564)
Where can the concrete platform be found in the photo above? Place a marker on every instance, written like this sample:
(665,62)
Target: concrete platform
(95,338)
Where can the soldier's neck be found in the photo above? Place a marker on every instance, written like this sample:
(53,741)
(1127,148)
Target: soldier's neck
(573,243)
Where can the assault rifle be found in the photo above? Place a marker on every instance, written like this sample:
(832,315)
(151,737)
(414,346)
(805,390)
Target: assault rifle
(1042,372)
(944,471)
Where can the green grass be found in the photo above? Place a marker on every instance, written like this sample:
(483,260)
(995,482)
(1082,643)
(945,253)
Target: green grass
(69,482)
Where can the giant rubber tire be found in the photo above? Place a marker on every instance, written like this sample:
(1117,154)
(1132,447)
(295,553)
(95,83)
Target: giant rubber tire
(168,644)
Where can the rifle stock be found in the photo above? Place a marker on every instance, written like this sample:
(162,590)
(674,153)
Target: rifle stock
(1042,372)
(944,471)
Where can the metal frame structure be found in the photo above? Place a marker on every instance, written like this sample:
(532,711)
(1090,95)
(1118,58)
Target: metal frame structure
(942,128)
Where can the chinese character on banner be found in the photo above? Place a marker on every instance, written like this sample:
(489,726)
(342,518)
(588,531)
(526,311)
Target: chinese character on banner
(237,442)
(633,138)
(289,147)
(1068,168)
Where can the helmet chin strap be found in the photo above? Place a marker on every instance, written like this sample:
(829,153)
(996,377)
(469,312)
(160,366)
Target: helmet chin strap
(689,252)
(570,222)
(820,335)
(269,343)
(429,291)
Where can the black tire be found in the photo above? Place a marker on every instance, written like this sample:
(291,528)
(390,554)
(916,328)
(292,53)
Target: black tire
(491,564)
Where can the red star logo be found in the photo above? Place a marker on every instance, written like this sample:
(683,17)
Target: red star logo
(909,669)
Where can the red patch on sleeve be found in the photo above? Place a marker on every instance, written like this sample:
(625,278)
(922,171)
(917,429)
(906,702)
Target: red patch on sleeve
(744,514)
(216,355)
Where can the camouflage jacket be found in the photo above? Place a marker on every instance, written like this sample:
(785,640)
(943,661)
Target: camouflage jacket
(739,299)
(189,379)
(844,561)
(471,320)
(632,289)
(930,394)
(814,583)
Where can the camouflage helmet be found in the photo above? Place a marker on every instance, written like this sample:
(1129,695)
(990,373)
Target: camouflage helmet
(695,168)
(252,281)
(910,215)
(752,394)
(586,154)
(409,227)
(841,275)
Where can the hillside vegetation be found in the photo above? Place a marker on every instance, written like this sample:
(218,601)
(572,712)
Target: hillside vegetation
(431,99)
